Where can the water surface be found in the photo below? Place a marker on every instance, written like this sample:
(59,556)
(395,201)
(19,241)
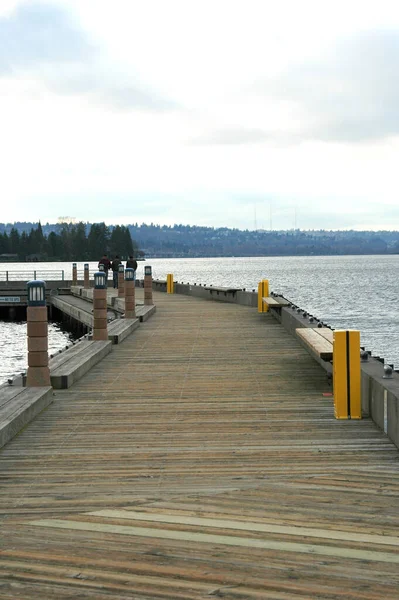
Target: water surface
(354,292)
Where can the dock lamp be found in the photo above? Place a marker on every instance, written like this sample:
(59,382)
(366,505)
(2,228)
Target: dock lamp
(129,274)
(74,273)
(36,292)
(38,374)
(130,294)
(148,286)
(100,330)
(121,281)
(86,276)
(100,280)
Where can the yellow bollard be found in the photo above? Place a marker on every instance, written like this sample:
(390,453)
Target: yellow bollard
(346,375)
(170,289)
(263,292)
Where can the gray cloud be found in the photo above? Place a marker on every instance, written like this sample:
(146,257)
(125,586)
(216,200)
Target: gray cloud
(41,39)
(350,94)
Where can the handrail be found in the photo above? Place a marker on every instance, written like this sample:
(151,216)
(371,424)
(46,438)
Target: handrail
(56,275)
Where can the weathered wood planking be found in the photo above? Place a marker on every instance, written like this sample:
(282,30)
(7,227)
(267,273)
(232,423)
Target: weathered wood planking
(211,419)
(19,406)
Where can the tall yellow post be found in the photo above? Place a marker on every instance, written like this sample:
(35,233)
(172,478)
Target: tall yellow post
(263,292)
(170,289)
(346,375)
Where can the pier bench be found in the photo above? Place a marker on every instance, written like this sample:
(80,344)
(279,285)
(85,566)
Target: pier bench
(319,340)
(275,301)
(69,366)
(19,406)
(119,329)
(144,312)
(222,290)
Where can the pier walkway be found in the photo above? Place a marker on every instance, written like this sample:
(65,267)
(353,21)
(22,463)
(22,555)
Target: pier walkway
(200,459)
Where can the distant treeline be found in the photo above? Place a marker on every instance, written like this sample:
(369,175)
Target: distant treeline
(28,241)
(88,241)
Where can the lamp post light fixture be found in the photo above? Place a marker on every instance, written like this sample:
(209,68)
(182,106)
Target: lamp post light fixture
(148,286)
(121,281)
(38,374)
(74,274)
(100,280)
(86,276)
(100,327)
(130,294)
(129,274)
(36,292)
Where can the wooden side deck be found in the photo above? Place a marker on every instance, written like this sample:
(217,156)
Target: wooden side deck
(201,459)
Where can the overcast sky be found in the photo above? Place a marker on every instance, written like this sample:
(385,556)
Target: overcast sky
(227,113)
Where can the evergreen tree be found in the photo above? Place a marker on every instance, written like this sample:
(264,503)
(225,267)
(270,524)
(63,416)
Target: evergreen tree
(79,242)
(4,243)
(14,241)
(130,246)
(98,241)
(24,247)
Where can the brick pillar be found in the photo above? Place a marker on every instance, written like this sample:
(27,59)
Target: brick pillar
(100,326)
(148,286)
(130,294)
(121,281)
(86,276)
(37,329)
(74,274)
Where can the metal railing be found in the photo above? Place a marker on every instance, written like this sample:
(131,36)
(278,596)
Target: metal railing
(32,274)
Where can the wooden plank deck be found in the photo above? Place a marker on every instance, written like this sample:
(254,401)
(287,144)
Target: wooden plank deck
(200,460)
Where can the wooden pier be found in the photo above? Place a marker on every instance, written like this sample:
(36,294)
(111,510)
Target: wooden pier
(200,459)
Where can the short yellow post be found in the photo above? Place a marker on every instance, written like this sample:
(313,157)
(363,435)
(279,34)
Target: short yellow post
(170,289)
(263,292)
(346,375)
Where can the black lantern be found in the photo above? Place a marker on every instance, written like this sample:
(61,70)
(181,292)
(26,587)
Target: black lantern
(129,274)
(36,293)
(100,280)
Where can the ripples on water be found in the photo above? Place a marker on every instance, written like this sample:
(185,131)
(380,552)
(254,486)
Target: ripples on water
(14,347)
(354,292)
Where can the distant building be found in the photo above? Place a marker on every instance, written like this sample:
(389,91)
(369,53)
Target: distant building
(61,220)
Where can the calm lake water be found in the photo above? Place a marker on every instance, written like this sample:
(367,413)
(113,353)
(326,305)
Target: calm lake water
(354,292)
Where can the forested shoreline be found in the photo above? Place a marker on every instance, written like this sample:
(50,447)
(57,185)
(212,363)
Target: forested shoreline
(66,242)
(88,241)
